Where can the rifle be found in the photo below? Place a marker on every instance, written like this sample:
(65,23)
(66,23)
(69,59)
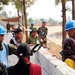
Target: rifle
(33,50)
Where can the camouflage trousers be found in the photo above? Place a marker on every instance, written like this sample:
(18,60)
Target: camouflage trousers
(43,40)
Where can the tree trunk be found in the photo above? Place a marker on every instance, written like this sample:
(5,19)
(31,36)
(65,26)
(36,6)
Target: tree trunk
(22,19)
(63,21)
(25,18)
(73,9)
(18,15)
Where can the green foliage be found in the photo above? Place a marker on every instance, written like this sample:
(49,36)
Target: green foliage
(18,4)
(58,1)
(30,20)
(29,2)
(1,8)
(4,2)
(42,20)
(4,14)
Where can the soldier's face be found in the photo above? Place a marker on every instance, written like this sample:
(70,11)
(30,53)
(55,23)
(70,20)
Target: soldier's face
(34,34)
(13,27)
(44,24)
(71,33)
(1,38)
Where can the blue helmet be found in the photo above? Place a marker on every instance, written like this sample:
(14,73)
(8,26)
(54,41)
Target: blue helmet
(70,25)
(32,23)
(2,30)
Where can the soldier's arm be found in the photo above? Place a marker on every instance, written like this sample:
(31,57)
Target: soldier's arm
(12,49)
(38,30)
(30,42)
(46,31)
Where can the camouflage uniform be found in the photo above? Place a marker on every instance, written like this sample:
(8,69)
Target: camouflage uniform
(42,33)
(31,27)
(31,39)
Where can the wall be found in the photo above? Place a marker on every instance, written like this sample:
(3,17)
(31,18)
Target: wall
(52,65)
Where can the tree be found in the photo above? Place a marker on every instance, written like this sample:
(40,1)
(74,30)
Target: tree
(4,14)
(30,20)
(73,9)
(22,5)
(42,20)
(3,2)
(63,17)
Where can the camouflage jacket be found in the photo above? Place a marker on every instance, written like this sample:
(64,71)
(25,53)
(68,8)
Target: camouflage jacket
(42,31)
(32,40)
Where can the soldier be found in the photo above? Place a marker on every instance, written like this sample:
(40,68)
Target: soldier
(8,27)
(68,54)
(33,38)
(42,33)
(5,49)
(32,24)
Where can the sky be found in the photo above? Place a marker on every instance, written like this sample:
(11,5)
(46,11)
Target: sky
(41,9)
(44,9)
